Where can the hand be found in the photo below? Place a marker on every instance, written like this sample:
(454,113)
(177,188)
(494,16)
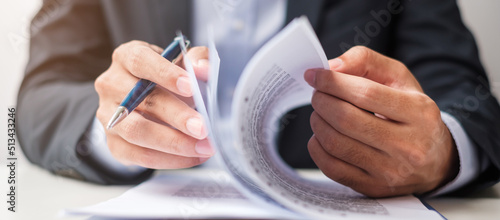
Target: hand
(164,131)
(374,128)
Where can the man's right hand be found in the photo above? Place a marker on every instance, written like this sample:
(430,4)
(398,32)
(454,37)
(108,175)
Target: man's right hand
(164,131)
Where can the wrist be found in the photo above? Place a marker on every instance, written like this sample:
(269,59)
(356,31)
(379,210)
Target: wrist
(450,166)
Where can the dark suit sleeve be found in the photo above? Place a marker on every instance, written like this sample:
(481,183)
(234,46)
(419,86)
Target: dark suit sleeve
(431,39)
(57,102)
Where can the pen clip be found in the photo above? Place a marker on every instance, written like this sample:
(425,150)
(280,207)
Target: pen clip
(183,44)
(183,41)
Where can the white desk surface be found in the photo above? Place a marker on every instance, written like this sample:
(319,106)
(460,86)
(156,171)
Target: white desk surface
(42,195)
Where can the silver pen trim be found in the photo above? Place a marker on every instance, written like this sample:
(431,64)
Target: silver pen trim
(119,115)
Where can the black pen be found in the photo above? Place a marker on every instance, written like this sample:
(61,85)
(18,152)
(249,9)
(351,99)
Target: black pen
(144,87)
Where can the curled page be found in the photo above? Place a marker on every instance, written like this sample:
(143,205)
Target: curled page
(261,185)
(272,84)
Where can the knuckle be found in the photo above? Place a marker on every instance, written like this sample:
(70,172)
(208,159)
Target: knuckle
(115,56)
(134,58)
(362,53)
(100,114)
(429,111)
(99,89)
(414,154)
(392,177)
(316,99)
(423,101)
(312,147)
(400,67)
(433,115)
(417,158)
(101,83)
(314,120)
(333,147)
(126,49)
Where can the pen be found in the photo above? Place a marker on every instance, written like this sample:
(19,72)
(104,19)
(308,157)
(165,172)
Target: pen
(144,87)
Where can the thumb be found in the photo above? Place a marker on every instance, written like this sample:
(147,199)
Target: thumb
(199,59)
(364,62)
(201,68)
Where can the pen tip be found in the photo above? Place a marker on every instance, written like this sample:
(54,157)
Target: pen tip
(119,115)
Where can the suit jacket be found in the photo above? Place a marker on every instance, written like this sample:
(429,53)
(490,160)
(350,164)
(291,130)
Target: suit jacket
(72,43)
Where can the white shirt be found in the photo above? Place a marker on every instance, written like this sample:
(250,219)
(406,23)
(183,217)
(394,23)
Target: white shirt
(237,24)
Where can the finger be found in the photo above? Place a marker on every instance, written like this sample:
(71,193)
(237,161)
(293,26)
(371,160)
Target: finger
(199,58)
(115,84)
(132,154)
(345,148)
(140,131)
(143,62)
(334,168)
(364,62)
(166,107)
(160,104)
(157,49)
(356,123)
(364,93)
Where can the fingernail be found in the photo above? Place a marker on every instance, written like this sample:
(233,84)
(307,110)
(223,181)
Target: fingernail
(184,86)
(202,69)
(335,63)
(310,77)
(203,147)
(202,63)
(195,127)
(203,159)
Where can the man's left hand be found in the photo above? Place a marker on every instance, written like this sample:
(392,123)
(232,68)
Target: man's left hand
(374,128)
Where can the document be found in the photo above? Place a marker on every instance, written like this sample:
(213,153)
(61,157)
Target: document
(211,193)
(258,184)
(185,194)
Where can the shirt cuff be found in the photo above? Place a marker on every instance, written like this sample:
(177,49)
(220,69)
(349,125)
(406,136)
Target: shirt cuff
(95,139)
(468,154)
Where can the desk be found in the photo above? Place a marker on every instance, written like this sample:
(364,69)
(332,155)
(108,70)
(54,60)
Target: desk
(42,195)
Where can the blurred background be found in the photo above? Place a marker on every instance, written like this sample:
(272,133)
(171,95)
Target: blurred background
(481,16)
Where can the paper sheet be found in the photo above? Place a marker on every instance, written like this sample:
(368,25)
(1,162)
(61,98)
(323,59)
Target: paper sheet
(255,182)
(210,193)
(271,85)
(187,194)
